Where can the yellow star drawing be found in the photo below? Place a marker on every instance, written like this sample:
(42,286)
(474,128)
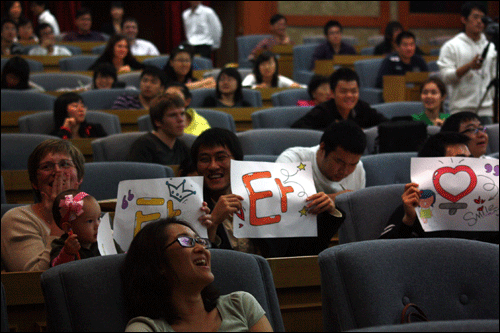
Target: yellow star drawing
(302,166)
(303,211)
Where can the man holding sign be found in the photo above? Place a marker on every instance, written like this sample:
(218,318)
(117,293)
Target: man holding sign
(403,222)
(212,152)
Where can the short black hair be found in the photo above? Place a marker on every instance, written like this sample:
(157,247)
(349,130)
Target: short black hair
(155,72)
(404,34)
(276,18)
(346,134)
(217,137)
(8,20)
(315,82)
(452,123)
(41,27)
(469,6)
(61,107)
(436,145)
(129,19)
(266,56)
(18,67)
(343,74)
(331,23)
(40,3)
(23,21)
(82,11)
(106,69)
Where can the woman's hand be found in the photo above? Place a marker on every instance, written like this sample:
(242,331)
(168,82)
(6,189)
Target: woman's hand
(262,85)
(124,69)
(295,85)
(70,123)
(62,181)
(438,122)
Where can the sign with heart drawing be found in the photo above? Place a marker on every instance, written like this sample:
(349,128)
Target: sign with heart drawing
(457,193)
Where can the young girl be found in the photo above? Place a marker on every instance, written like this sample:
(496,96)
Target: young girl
(265,74)
(69,119)
(229,92)
(79,215)
(117,53)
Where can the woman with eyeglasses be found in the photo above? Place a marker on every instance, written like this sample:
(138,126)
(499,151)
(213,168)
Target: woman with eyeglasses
(168,285)
(469,124)
(54,166)
(69,119)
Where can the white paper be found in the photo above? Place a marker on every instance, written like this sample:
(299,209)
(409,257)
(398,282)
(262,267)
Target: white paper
(274,199)
(146,200)
(465,191)
(105,241)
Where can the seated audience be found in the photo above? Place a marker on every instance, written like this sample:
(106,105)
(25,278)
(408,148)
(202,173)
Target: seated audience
(83,32)
(469,124)
(319,90)
(345,104)
(138,47)
(116,12)
(195,123)
(333,45)
(179,68)
(9,36)
(39,9)
(279,37)
(404,223)
(78,215)
(47,43)
(388,45)
(152,84)
(16,75)
(212,153)
(228,90)
(69,119)
(337,166)
(166,291)
(403,60)
(14,11)
(161,145)
(433,94)
(265,74)
(117,53)
(25,32)
(28,231)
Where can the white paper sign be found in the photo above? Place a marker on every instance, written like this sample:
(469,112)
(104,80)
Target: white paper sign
(147,200)
(457,193)
(105,241)
(274,199)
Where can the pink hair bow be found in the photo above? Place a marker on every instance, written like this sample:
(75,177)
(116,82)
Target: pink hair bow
(72,207)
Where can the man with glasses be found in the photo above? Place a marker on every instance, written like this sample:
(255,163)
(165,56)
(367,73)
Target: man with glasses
(462,66)
(469,124)
(47,45)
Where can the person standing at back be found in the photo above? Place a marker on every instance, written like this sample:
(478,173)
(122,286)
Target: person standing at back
(39,9)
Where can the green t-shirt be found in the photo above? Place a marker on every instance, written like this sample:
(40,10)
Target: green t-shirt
(423,117)
(239,312)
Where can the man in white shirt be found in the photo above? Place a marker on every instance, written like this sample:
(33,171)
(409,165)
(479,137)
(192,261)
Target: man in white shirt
(203,28)
(47,43)
(138,47)
(337,167)
(463,68)
(39,8)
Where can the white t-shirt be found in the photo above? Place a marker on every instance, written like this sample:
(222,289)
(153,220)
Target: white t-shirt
(202,26)
(47,17)
(58,51)
(142,47)
(283,81)
(355,181)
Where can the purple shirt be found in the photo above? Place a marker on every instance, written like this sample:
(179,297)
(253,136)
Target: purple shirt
(91,36)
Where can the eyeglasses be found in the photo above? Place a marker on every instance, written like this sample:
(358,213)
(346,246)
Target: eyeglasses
(474,130)
(219,158)
(50,166)
(186,241)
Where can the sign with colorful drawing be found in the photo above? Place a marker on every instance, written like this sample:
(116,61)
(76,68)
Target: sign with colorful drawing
(457,193)
(105,241)
(146,200)
(274,199)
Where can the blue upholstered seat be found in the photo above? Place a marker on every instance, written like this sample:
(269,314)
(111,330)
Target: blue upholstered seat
(245,46)
(289,97)
(53,81)
(253,97)
(278,117)
(26,100)
(388,168)
(17,147)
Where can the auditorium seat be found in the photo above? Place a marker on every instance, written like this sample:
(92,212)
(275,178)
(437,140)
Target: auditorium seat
(53,81)
(132,79)
(278,117)
(399,109)
(302,59)
(215,73)
(199,63)
(77,63)
(17,147)
(34,65)
(245,46)
(26,100)
(367,71)
(253,97)
(289,97)
(387,168)
(103,99)
(492,131)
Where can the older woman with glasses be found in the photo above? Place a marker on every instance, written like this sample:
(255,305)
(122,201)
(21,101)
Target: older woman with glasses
(167,281)
(27,231)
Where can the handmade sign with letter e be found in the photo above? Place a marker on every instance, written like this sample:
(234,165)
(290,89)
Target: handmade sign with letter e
(274,199)
(457,193)
(146,200)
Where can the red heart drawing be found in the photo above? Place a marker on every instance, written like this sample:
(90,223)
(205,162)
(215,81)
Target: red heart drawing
(241,225)
(454,198)
(240,214)
(480,209)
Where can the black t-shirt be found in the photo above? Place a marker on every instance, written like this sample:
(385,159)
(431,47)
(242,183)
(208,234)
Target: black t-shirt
(150,149)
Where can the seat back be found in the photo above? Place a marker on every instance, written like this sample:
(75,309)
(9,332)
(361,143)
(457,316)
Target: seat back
(26,100)
(17,147)
(131,79)
(370,50)
(114,147)
(34,65)
(77,63)
(54,81)
(87,295)
(351,40)
(399,109)
(271,142)
(388,168)
(245,46)
(215,119)
(253,97)
(367,211)
(302,57)
(278,117)
(3,197)
(367,71)
(215,72)
(43,122)
(289,97)
(492,131)
(199,63)
(366,284)
(103,99)
(75,50)
(102,178)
